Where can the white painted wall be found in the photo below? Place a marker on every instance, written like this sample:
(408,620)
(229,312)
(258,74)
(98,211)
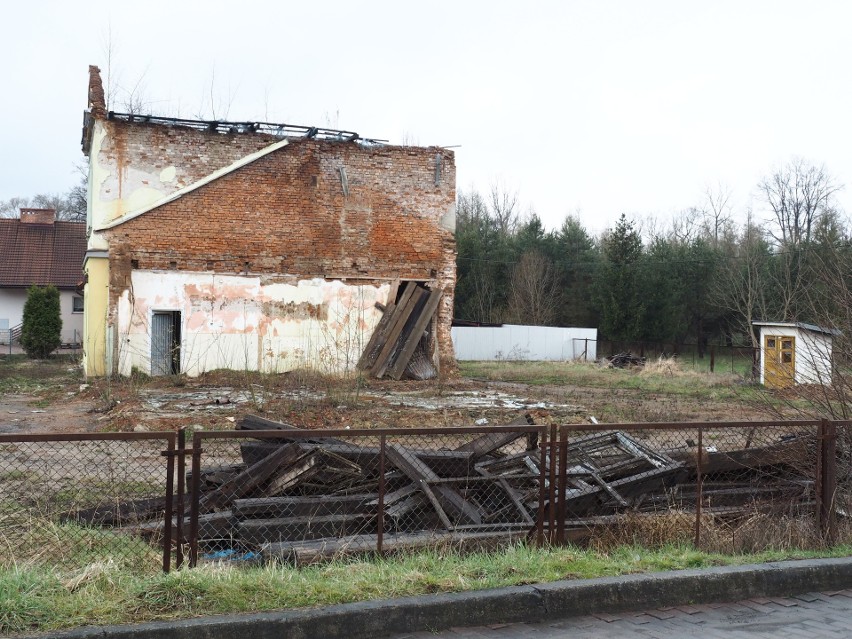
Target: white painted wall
(813,353)
(249,322)
(533,343)
(12,302)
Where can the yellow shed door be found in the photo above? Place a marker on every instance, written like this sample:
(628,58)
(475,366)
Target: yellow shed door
(779,361)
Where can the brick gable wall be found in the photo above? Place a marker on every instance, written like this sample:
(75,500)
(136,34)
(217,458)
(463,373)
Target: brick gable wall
(287,214)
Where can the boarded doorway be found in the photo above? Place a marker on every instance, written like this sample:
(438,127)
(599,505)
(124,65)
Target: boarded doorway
(165,343)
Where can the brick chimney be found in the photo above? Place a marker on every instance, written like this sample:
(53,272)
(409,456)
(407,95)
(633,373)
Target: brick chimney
(38,216)
(97,102)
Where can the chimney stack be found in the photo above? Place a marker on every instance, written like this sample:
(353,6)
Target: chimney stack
(38,216)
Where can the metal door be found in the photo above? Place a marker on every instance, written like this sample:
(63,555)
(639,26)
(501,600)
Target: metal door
(163,343)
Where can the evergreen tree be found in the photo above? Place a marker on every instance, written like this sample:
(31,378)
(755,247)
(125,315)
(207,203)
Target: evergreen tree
(42,325)
(618,296)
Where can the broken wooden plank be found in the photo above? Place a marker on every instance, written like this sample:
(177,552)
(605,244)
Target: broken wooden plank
(788,453)
(273,507)
(421,474)
(210,526)
(251,478)
(489,442)
(262,531)
(401,316)
(446,463)
(119,513)
(368,356)
(407,349)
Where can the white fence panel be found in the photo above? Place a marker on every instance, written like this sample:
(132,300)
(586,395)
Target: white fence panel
(530,343)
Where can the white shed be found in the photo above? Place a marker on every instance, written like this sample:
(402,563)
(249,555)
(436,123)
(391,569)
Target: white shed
(794,353)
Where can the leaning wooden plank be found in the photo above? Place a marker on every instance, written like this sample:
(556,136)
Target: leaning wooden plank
(251,477)
(407,350)
(377,339)
(261,531)
(421,474)
(309,552)
(303,506)
(401,316)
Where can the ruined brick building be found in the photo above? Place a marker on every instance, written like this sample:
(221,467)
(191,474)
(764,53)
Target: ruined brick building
(254,246)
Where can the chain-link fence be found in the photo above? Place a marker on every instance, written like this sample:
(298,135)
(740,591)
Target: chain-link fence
(268,492)
(303,496)
(72,500)
(730,487)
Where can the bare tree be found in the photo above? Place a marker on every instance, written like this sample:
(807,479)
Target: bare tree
(745,279)
(504,208)
(534,294)
(798,194)
(717,211)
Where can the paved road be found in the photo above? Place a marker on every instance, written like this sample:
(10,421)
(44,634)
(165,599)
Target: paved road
(826,615)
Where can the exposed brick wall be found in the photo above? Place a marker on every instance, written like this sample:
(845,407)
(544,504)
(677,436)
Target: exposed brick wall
(137,152)
(286,213)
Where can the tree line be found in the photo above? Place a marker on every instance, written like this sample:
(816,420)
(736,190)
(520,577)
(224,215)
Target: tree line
(704,275)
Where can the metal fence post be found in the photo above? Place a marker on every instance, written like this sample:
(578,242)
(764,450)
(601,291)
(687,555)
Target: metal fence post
(195,497)
(827,464)
(562,464)
(181,490)
(542,485)
(380,522)
(699,489)
(169,454)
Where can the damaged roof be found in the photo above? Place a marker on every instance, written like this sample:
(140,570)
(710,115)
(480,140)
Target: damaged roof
(41,254)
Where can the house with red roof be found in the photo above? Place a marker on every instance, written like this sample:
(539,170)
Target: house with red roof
(38,249)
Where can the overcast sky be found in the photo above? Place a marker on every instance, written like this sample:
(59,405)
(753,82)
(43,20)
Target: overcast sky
(600,107)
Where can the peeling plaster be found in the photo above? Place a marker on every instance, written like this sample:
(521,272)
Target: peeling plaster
(168,174)
(239,322)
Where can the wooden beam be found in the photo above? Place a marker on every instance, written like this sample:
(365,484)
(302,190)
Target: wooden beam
(416,470)
(368,355)
(407,350)
(251,477)
(401,316)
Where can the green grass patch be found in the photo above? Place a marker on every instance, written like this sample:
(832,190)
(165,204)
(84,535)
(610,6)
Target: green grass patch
(673,380)
(107,591)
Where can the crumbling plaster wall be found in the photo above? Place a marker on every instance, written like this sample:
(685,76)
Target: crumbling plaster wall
(256,323)
(288,216)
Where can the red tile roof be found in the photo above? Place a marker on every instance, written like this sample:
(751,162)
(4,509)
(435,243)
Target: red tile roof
(41,253)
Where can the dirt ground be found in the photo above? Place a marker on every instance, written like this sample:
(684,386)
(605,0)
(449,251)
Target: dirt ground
(52,395)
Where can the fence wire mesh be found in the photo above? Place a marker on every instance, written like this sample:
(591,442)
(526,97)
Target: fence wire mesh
(68,502)
(257,495)
(727,488)
(306,496)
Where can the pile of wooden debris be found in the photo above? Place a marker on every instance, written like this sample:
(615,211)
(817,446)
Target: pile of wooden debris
(302,498)
(401,343)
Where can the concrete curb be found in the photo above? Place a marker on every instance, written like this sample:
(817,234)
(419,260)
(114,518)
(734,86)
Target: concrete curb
(371,619)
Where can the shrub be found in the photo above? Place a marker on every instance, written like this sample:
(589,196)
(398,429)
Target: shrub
(42,326)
